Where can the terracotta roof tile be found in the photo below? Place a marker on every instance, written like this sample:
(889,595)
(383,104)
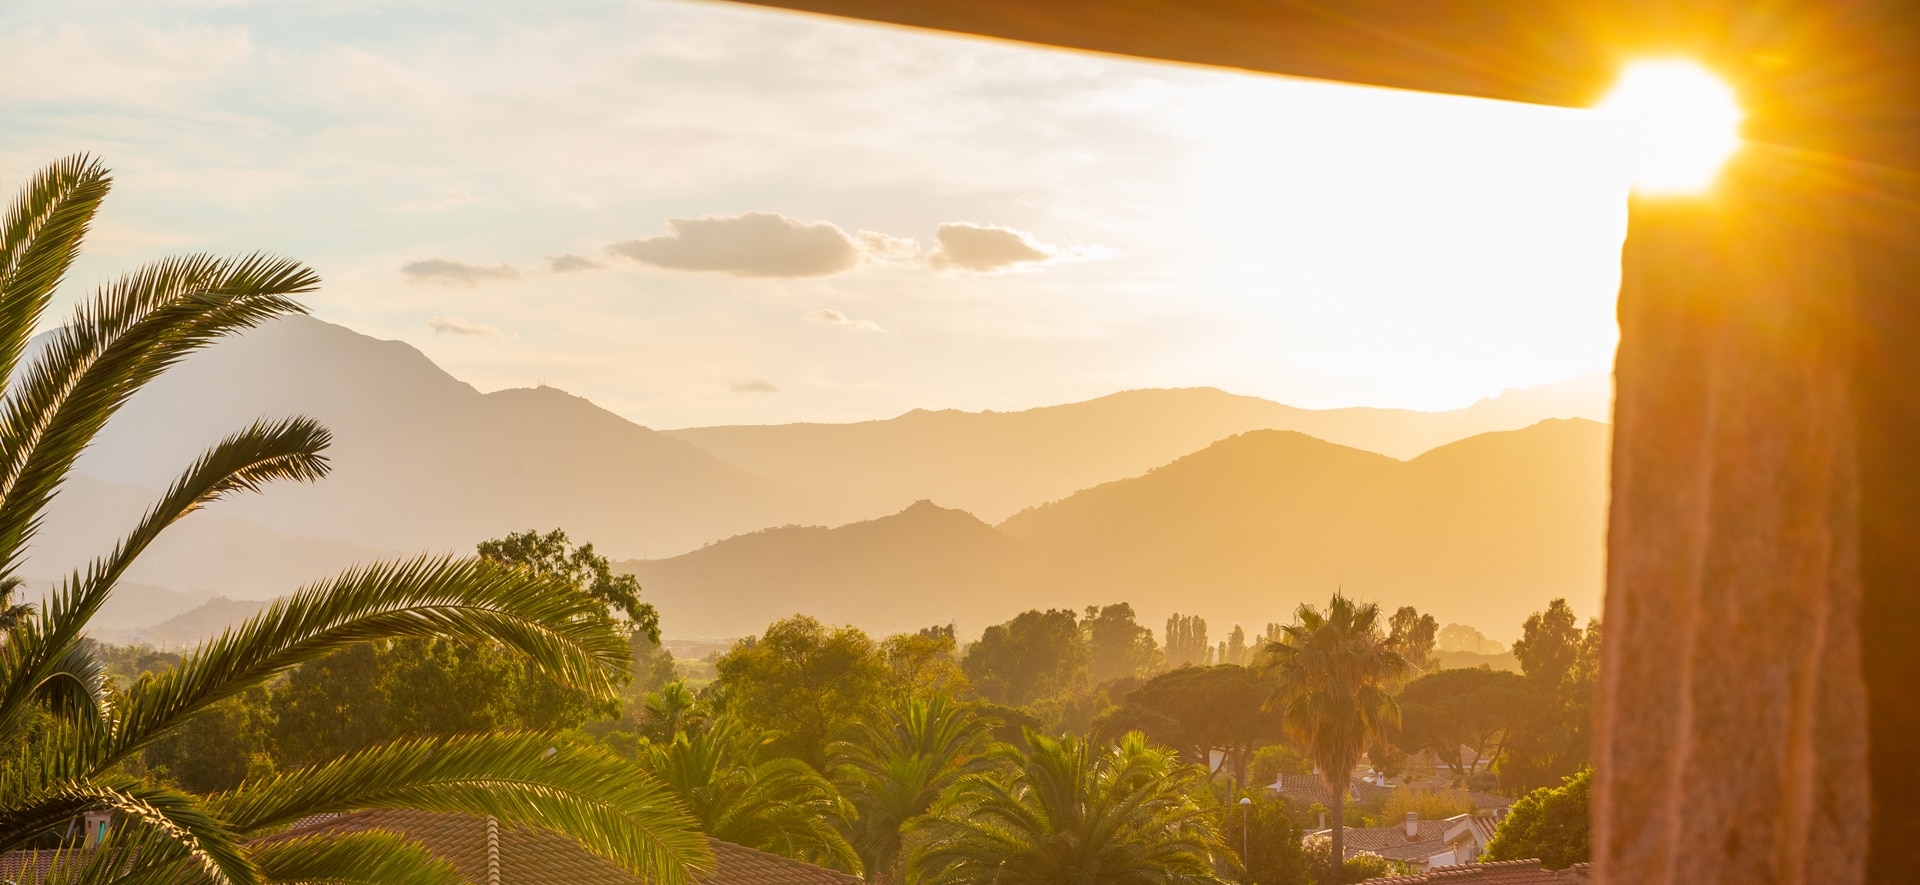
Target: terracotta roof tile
(531,856)
(1509,872)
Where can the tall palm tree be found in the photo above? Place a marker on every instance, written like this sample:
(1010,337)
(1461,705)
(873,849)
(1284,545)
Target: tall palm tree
(1334,676)
(52,404)
(780,805)
(1074,813)
(896,769)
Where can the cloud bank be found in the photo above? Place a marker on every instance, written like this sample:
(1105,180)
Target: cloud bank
(571,264)
(831,317)
(439,271)
(756,244)
(463,327)
(753,385)
(984,248)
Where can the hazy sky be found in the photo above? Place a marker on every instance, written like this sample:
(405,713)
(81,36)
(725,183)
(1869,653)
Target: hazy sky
(698,213)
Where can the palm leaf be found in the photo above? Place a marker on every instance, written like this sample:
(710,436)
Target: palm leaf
(557,628)
(39,239)
(170,824)
(43,651)
(606,804)
(131,331)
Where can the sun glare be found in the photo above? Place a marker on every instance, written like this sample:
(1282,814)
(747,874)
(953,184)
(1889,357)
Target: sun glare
(1678,123)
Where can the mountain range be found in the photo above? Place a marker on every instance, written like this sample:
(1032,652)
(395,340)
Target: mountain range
(1479,531)
(423,461)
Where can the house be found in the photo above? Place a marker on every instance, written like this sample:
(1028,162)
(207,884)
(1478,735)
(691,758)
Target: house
(1303,790)
(487,853)
(1509,872)
(1425,844)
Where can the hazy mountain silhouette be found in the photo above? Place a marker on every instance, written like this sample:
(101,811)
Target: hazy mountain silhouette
(1482,531)
(425,461)
(921,566)
(993,464)
(203,555)
(202,622)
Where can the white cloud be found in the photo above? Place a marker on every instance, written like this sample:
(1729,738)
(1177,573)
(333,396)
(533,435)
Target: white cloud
(571,264)
(463,327)
(831,317)
(756,244)
(984,248)
(753,385)
(885,247)
(440,271)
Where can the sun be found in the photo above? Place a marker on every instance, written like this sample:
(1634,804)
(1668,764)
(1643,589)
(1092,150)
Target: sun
(1677,122)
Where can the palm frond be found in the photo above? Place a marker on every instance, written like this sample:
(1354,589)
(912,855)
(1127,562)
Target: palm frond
(170,824)
(131,331)
(39,238)
(37,658)
(605,803)
(558,628)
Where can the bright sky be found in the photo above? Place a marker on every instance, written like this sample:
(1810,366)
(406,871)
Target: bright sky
(497,184)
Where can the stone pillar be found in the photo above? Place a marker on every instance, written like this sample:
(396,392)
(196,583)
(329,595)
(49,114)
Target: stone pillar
(1731,728)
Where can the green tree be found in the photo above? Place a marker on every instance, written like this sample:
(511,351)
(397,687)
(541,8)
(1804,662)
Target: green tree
(1187,641)
(1550,824)
(1413,635)
(330,707)
(1198,710)
(805,682)
(52,405)
(741,795)
(1334,672)
(1117,645)
(1235,650)
(1561,663)
(1318,851)
(1036,655)
(1447,709)
(1073,811)
(1265,836)
(924,664)
(1273,760)
(553,555)
(666,713)
(219,748)
(894,770)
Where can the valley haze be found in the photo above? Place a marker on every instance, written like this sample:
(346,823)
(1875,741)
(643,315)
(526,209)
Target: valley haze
(1191,500)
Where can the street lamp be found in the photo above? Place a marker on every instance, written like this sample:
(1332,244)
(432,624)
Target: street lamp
(1246,863)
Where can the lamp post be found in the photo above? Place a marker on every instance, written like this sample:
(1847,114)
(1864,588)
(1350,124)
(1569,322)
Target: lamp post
(1246,862)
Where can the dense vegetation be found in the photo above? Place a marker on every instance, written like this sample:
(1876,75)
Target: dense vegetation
(882,756)
(528,683)
(77,742)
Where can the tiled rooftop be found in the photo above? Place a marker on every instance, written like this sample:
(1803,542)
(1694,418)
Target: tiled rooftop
(1510,872)
(538,857)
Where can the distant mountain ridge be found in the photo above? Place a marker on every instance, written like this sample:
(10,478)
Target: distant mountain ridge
(422,461)
(1480,531)
(425,462)
(993,464)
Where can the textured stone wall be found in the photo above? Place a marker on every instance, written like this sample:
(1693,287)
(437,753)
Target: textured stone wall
(1731,741)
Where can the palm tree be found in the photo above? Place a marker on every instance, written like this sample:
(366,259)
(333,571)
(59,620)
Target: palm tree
(1334,673)
(897,769)
(52,405)
(12,611)
(1074,813)
(780,805)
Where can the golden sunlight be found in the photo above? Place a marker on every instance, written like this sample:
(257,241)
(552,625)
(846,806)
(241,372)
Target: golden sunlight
(1678,122)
